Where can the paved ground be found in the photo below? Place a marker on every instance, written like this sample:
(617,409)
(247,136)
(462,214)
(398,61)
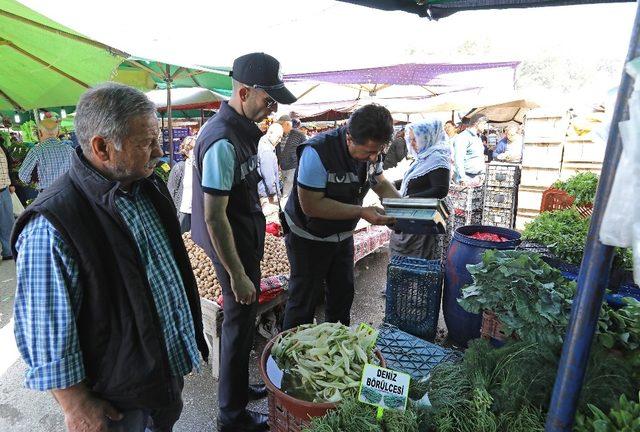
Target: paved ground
(23,410)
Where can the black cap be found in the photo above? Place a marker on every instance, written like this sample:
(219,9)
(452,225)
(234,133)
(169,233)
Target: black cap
(262,71)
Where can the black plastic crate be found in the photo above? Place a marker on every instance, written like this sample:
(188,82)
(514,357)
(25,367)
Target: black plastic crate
(499,217)
(500,197)
(414,292)
(409,354)
(503,175)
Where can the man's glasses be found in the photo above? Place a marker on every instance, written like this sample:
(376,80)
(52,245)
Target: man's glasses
(270,102)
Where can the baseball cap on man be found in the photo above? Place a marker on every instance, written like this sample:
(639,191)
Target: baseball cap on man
(262,71)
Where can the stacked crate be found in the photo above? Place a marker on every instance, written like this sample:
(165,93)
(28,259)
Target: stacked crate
(501,195)
(544,139)
(582,154)
(465,205)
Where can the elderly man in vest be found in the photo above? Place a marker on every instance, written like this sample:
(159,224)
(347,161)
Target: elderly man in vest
(335,172)
(227,222)
(107,312)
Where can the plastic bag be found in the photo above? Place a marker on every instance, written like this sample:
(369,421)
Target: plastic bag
(621,221)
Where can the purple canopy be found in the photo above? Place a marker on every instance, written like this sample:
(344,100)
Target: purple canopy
(434,74)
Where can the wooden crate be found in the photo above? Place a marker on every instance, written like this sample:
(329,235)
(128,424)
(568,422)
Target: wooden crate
(530,198)
(583,150)
(542,155)
(539,177)
(212,323)
(543,123)
(570,169)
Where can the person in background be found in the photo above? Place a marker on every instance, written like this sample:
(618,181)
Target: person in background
(228,223)
(8,181)
(488,151)
(397,150)
(180,183)
(337,168)
(287,158)
(428,177)
(469,151)
(450,129)
(269,186)
(107,312)
(509,149)
(49,159)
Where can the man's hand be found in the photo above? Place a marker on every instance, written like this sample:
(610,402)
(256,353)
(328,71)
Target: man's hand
(90,414)
(243,289)
(376,216)
(12,189)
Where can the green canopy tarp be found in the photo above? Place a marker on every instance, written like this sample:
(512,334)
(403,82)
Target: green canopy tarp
(45,64)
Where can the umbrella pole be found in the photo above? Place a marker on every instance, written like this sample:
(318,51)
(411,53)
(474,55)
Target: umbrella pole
(167,79)
(201,117)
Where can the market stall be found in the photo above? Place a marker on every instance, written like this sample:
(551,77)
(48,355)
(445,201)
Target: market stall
(275,276)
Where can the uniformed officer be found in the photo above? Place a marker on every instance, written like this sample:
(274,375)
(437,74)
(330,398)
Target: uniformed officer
(335,172)
(227,222)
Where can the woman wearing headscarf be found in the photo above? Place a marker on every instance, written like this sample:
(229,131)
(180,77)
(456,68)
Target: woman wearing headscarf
(427,177)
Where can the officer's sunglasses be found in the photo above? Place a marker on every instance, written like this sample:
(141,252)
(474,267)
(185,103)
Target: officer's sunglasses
(269,101)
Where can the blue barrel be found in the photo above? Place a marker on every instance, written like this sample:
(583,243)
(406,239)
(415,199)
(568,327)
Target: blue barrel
(462,325)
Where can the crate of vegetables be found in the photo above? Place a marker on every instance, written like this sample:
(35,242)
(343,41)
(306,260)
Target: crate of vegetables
(309,369)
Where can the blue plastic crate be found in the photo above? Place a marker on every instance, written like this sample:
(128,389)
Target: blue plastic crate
(628,290)
(406,353)
(414,292)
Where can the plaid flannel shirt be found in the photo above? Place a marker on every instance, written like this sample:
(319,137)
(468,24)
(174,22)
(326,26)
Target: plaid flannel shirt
(51,158)
(48,299)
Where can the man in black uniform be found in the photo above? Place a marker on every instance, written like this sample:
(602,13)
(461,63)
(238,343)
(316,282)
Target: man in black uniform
(335,171)
(227,222)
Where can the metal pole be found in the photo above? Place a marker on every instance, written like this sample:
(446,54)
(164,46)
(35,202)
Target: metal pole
(594,272)
(201,117)
(167,79)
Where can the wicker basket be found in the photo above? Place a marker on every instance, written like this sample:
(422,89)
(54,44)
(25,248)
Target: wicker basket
(492,328)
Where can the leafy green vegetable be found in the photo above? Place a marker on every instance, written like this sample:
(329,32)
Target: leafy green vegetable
(29,131)
(162,171)
(353,416)
(620,328)
(325,360)
(564,232)
(509,388)
(528,296)
(623,418)
(582,187)
(533,300)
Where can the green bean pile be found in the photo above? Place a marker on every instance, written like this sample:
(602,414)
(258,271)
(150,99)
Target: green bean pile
(327,359)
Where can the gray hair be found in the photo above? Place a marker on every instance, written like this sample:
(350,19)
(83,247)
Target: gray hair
(107,110)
